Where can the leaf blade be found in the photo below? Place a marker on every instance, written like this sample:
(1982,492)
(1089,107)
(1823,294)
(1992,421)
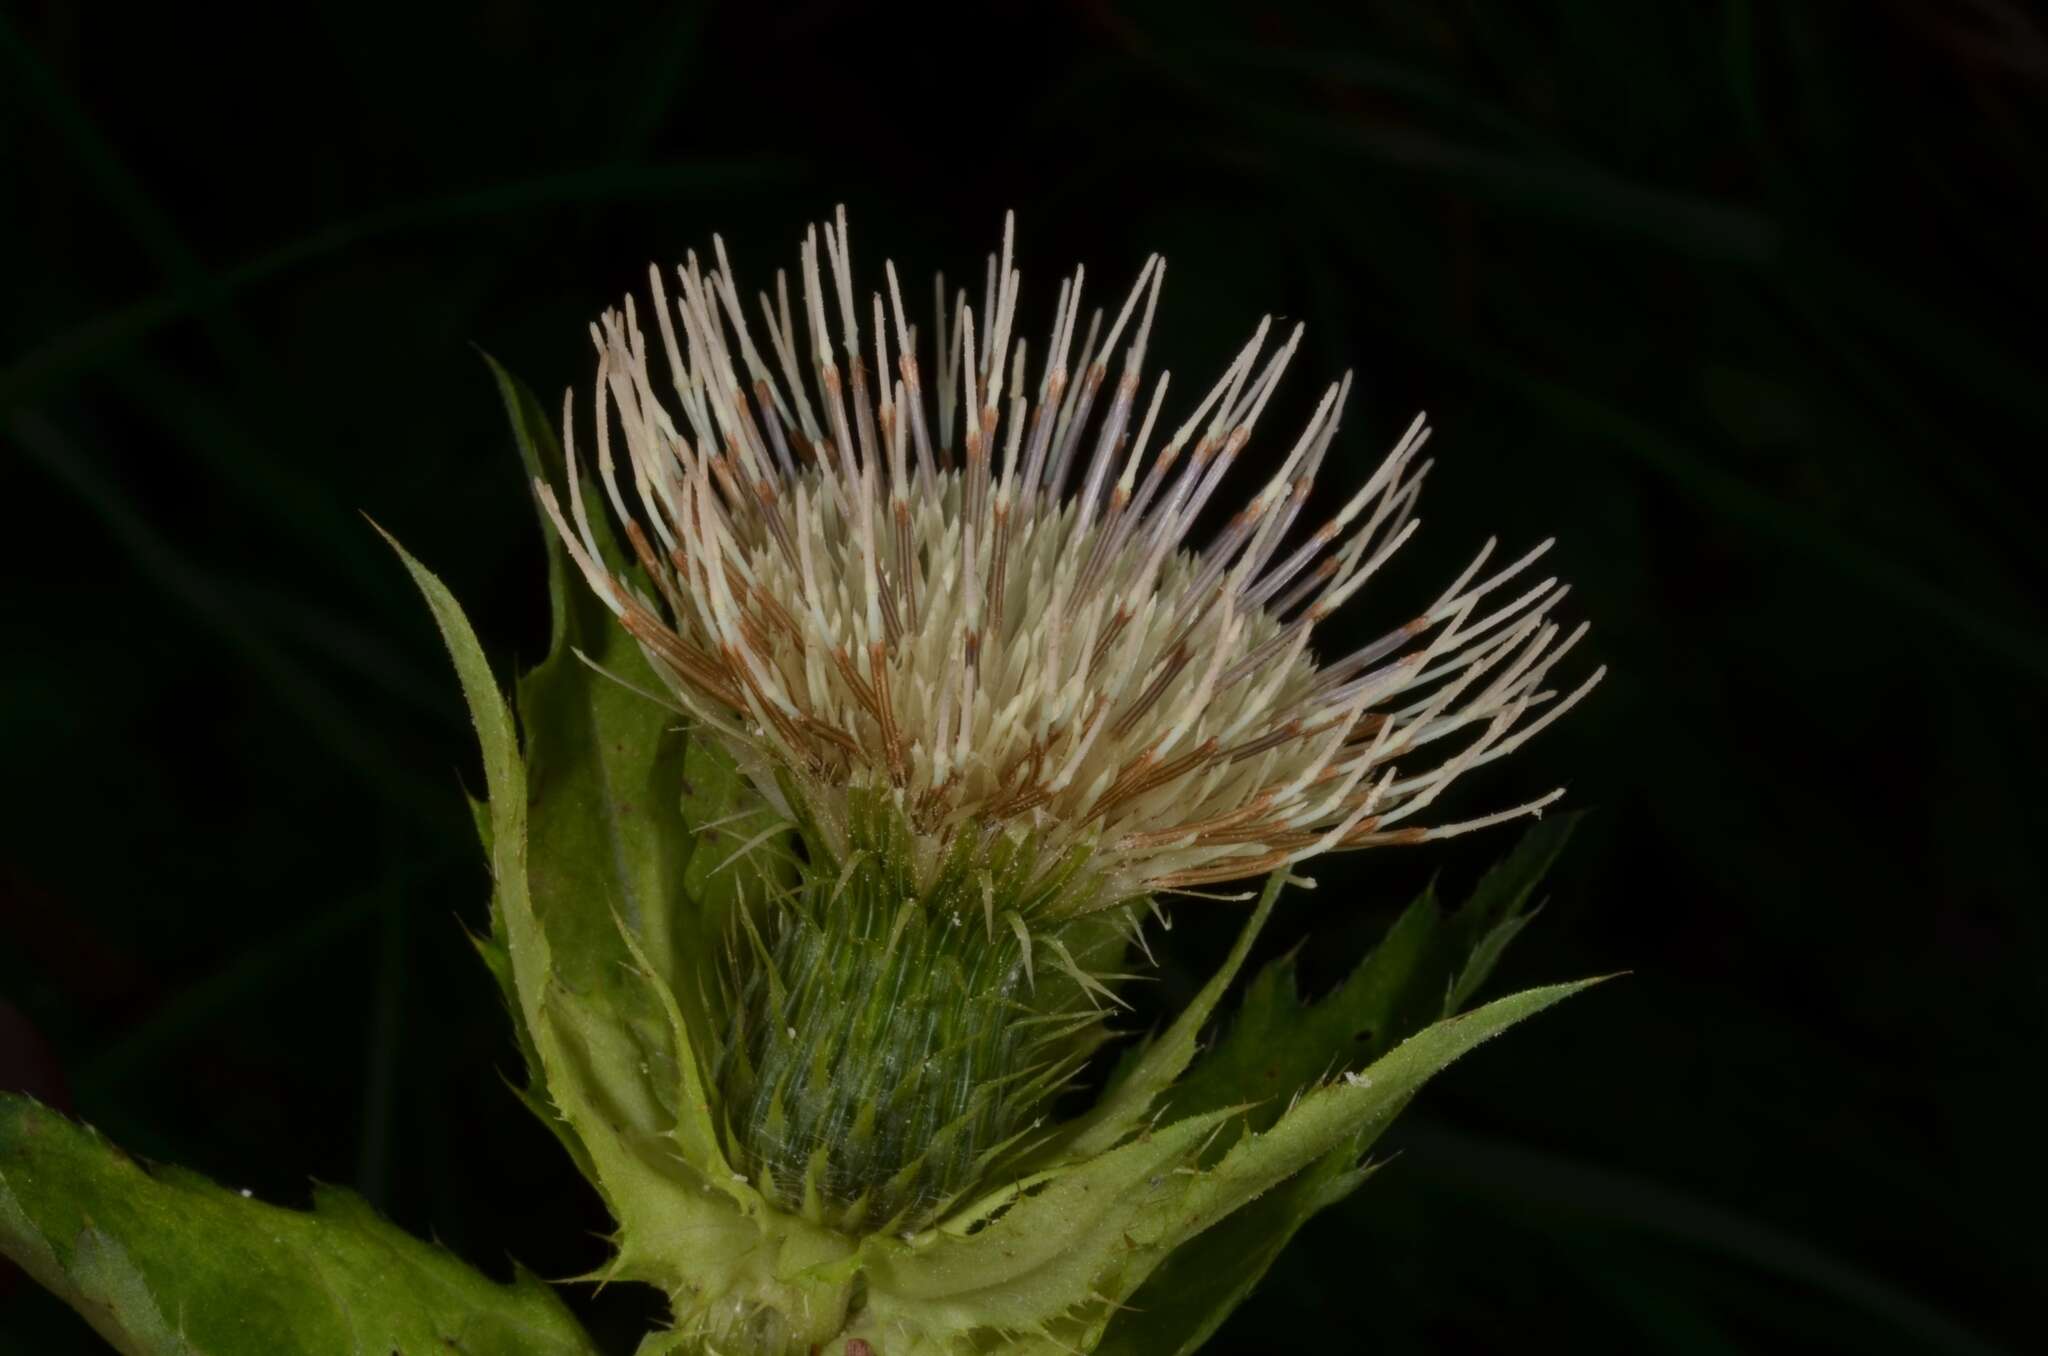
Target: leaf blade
(595,1067)
(1167,1058)
(166,1263)
(1269,1184)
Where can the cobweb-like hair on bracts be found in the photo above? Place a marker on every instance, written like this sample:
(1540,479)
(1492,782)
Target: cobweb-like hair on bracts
(1019,640)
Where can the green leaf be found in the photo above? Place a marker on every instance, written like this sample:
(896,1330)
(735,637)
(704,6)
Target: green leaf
(627,815)
(603,771)
(1499,907)
(540,456)
(1426,967)
(1045,1259)
(1199,1283)
(624,876)
(1276,1045)
(165,1263)
(613,1044)
(1064,1259)
(612,887)
(595,1028)
(1131,1096)
(1308,1161)
(604,762)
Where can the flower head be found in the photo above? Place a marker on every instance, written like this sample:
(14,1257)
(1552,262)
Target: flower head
(979,604)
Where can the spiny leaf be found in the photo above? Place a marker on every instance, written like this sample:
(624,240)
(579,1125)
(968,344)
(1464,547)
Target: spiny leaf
(596,759)
(532,1094)
(165,1263)
(1276,1045)
(1499,908)
(1132,1095)
(597,1067)
(1269,1183)
(618,790)
(1067,1253)
(611,782)
(1045,1256)
(1184,1302)
(610,950)
(1308,1161)
(1427,966)
(1356,1107)
(540,454)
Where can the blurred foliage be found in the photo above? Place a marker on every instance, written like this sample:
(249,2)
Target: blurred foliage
(1739,299)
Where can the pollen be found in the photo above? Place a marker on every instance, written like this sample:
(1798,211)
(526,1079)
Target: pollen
(976,593)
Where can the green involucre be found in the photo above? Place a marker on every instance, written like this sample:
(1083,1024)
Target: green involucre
(891,1050)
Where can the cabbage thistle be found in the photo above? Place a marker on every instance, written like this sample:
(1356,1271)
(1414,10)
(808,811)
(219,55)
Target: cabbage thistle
(963,709)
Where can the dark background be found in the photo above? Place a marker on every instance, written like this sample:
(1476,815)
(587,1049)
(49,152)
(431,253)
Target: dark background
(1740,300)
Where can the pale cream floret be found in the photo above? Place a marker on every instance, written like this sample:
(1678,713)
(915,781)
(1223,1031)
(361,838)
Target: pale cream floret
(1026,642)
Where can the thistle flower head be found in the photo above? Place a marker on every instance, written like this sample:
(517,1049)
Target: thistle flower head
(970,592)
